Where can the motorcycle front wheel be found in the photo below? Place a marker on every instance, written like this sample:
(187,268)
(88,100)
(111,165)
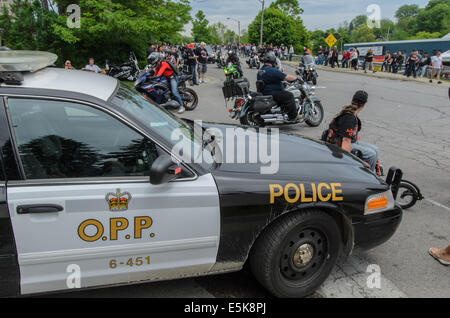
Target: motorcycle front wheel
(190,99)
(316,117)
(407,196)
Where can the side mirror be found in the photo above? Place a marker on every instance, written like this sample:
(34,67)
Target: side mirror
(164,170)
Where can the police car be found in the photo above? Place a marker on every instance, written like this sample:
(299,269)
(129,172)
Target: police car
(92,194)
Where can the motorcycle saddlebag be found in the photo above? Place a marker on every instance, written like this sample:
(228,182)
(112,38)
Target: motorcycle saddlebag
(235,88)
(263,104)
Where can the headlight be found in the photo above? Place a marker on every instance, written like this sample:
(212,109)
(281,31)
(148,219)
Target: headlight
(379,203)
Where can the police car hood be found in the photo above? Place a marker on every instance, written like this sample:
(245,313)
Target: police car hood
(286,156)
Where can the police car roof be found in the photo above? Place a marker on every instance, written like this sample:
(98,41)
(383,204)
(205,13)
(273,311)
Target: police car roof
(97,85)
(30,69)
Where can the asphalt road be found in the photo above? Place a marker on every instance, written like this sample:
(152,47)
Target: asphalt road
(410,123)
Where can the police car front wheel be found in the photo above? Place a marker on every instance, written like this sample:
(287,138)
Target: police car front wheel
(296,254)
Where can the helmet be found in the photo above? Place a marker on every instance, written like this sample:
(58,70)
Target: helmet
(154,58)
(270,58)
(360,98)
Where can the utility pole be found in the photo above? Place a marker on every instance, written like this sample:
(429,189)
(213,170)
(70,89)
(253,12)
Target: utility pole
(262,23)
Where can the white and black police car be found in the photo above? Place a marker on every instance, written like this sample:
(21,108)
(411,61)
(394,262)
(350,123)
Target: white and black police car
(89,186)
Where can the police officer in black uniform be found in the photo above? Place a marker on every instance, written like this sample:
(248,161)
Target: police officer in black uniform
(273,79)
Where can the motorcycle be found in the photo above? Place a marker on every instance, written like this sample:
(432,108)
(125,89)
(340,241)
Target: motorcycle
(128,71)
(221,62)
(158,90)
(407,194)
(308,72)
(254,62)
(232,72)
(254,109)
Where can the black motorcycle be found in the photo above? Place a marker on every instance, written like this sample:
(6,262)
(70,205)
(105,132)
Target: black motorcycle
(128,71)
(257,110)
(254,62)
(221,61)
(308,72)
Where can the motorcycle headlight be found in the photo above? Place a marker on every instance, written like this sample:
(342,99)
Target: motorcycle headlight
(380,202)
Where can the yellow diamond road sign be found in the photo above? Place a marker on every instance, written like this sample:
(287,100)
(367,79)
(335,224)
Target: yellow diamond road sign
(331,40)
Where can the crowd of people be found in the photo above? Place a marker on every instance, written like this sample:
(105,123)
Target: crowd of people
(415,64)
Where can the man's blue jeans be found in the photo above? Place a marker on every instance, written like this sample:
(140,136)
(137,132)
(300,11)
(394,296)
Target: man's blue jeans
(174,87)
(193,70)
(369,153)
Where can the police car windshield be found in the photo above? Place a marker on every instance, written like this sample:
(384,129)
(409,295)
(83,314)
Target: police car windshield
(178,133)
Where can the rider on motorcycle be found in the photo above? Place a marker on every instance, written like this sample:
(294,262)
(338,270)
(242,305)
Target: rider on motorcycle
(345,128)
(273,79)
(234,59)
(162,68)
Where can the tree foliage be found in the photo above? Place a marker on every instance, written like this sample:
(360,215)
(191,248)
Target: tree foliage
(110,29)
(200,31)
(413,22)
(281,26)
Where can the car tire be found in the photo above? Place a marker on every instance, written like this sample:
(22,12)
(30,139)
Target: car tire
(296,254)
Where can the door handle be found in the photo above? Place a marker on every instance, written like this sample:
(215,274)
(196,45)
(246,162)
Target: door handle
(39,209)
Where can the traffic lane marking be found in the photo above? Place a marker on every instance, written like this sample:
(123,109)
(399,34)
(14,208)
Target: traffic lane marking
(438,204)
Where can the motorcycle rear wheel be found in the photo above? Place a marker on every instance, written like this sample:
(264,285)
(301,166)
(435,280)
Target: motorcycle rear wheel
(250,120)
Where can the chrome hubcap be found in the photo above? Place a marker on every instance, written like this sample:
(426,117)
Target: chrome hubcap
(303,255)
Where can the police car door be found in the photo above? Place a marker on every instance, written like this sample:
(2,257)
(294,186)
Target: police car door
(86,214)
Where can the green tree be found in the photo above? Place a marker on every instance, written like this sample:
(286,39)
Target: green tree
(289,7)
(363,34)
(386,26)
(423,35)
(407,11)
(109,29)
(357,21)
(279,28)
(317,39)
(200,30)
(435,17)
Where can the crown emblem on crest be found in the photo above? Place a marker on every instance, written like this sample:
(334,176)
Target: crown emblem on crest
(118,201)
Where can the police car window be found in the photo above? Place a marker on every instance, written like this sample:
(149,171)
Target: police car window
(172,129)
(58,139)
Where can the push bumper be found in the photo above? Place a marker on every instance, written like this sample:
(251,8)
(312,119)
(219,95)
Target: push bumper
(374,230)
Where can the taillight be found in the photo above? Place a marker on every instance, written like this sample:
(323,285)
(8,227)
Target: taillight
(239,103)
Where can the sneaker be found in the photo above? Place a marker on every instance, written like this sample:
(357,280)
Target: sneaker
(431,81)
(204,82)
(439,82)
(181,110)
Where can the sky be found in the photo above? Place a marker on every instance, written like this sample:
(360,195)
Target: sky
(319,14)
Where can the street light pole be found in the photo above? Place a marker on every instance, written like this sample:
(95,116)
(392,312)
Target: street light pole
(262,24)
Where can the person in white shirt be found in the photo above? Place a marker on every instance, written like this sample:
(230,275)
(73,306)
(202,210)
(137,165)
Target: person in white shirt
(354,59)
(436,64)
(91,67)
(291,52)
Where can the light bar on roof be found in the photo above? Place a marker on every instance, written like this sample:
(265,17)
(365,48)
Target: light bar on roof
(25,61)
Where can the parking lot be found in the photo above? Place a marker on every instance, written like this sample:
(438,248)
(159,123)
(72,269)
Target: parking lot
(410,123)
